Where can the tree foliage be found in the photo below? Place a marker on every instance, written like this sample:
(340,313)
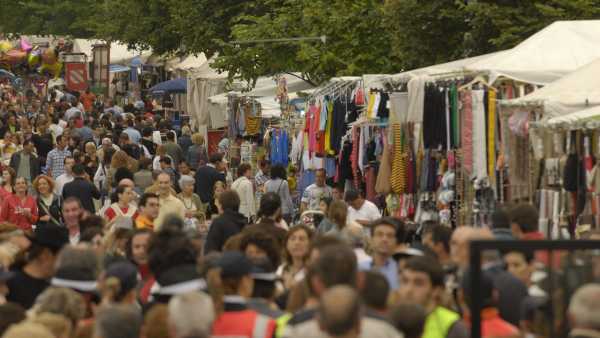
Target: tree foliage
(363,36)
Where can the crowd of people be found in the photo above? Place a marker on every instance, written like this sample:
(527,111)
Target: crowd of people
(112,225)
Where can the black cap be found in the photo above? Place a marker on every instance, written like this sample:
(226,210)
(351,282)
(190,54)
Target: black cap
(263,270)
(51,236)
(234,264)
(126,273)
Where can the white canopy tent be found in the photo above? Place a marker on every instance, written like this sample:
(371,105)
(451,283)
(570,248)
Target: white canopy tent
(573,92)
(265,92)
(202,83)
(119,53)
(578,118)
(555,51)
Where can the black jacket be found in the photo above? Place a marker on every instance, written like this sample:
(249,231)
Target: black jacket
(206,177)
(230,223)
(34,164)
(84,190)
(511,293)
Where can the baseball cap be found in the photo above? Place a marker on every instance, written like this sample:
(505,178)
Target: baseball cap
(126,273)
(263,270)
(50,236)
(234,264)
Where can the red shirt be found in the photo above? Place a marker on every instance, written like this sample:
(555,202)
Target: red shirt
(494,326)
(87,100)
(110,213)
(9,211)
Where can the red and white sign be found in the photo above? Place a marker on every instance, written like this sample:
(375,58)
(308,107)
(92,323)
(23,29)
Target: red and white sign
(76,76)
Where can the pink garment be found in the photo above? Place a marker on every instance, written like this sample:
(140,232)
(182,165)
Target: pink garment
(467,130)
(312,129)
(354,155)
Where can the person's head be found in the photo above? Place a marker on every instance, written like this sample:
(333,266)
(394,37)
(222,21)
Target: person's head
(10,313)
(28,329)
(437,238)
(459,245)
(216,159)
(523,220)
(8,176)
(186,183)
(354,199)
(156,322)
(117,321)
(260,244)
(278,171)
(90,148)
(120,159)
(59,325)
(43,185)
(218,188)
(61,301)
(92,235)
(244,170)
(297,244)
(335,264)
(165,162)
(263,165)
(520,264)
(28,146)
(72,211)
(375,291)
(123,138)
(79,170)
(191,315)
(339,312)
(324,204)
(270,206)
(338,192)
(584,308)
(21,185)
(422,282)
(487,293)
(184,168)
(232,276)
(320,177)
(171,136)
(149,206)
(137,247)
(338,213)
(61,142)
(501,218)
(383,237)
(164,184)
(408,319)
(118,283)
(69,163)
(229,200)
(198,139)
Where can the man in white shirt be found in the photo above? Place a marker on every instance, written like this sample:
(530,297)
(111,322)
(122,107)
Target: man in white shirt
(65,178)
(244,188)
(314,193)
(360,210)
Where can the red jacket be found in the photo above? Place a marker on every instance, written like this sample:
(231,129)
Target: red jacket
(239,321)
(9,211)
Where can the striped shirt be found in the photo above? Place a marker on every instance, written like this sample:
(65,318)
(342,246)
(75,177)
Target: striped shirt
(55,161)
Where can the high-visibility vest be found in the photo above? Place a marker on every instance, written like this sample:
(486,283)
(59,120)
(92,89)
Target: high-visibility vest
(245,323)
(439,322)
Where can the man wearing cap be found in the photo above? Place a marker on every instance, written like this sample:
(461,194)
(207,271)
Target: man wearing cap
(33,278)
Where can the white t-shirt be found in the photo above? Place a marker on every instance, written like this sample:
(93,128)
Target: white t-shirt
(60,182)
(367,212)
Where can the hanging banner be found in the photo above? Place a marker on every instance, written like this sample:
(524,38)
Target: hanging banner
(76,76)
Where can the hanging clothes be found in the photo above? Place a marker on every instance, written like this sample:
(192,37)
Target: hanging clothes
(479,131)
(384,175)
(398,107)
(383,111)
(328,144)
(434,118)
(467,131)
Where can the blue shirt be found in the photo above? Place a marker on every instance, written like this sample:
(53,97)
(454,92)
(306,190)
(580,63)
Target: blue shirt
(389,270)
(134,134)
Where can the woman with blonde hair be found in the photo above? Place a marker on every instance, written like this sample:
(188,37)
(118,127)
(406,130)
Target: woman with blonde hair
(196,154)
(120,160)
(49,204)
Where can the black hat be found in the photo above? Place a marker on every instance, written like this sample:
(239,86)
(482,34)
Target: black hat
(5,274)
(178,279)
(234,264)
(126,273)
(263,270)
(51,236)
